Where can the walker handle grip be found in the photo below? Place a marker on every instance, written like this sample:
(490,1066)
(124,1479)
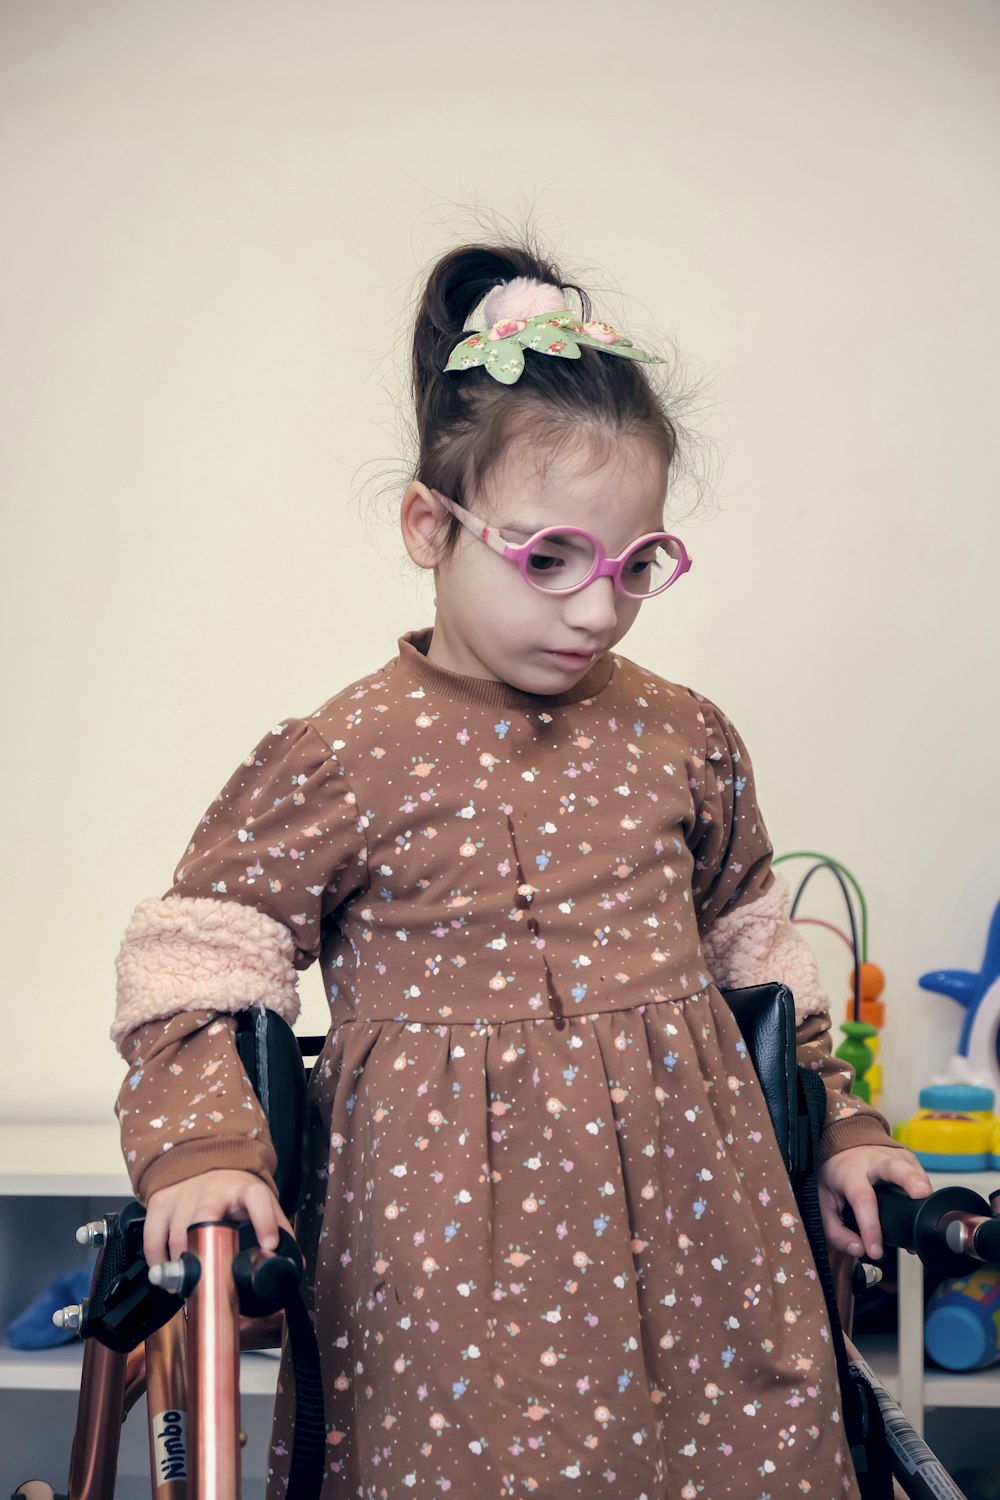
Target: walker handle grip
(920,1224)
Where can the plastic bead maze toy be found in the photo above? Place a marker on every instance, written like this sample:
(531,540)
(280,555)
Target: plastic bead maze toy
(865,1014)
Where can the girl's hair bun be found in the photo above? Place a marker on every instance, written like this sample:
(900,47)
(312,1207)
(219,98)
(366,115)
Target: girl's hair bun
(466,422)
(522,298)
(456,286)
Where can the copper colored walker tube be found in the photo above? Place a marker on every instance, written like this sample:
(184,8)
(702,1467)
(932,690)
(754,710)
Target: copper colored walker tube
(842,1269)
(213,1347)
(93,1465)
(167,1406)
(135,1376)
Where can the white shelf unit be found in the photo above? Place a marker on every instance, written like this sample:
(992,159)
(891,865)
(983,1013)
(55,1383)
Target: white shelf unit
(52,1179)
(900,1365)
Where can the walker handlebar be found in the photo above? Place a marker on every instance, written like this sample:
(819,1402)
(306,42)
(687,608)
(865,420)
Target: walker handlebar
(953,1230)
(127,1303)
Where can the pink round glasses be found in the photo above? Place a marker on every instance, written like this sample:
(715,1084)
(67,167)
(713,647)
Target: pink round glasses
(565,559)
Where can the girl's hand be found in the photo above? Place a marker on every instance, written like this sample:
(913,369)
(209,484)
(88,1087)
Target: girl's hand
(848,1178)
(221,1194)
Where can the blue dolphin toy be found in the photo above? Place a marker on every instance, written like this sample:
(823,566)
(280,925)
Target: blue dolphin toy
(979,995)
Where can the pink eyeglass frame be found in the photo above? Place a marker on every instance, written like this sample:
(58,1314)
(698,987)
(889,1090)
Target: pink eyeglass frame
(604,566)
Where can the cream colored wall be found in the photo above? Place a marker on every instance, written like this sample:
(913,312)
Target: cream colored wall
(213,217)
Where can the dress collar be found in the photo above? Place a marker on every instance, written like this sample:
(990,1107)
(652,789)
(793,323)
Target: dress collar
(413,648)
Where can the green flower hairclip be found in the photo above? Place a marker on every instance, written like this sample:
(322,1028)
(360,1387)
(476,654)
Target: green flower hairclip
(501,348)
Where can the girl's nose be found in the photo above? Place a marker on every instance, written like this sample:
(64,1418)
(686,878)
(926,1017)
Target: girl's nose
(594,608)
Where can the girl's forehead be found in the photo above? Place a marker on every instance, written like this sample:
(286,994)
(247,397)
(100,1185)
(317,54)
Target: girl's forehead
(590,471)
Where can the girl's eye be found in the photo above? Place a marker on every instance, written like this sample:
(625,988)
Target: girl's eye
(544,562)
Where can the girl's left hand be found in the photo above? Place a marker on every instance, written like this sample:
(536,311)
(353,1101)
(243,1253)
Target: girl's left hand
(848,1177)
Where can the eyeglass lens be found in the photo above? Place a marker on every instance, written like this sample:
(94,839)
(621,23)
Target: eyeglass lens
(563,559)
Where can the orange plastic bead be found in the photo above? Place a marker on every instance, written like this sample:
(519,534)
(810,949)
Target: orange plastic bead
(872,985)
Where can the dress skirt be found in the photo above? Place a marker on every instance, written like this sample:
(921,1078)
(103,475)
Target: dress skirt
(561,1259)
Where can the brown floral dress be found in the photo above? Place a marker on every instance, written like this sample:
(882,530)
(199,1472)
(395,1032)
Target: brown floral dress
(553,1251)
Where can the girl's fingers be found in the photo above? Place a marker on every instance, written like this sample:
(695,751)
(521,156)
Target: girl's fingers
(900,1168)
(208,1198)
(196,1204)
(838,1236)
(905,1170)
(907,1174)
(262,1208)
(865,1205)
(154,1235)
(184,1214)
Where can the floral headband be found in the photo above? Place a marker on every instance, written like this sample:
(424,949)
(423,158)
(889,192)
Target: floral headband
(500,348)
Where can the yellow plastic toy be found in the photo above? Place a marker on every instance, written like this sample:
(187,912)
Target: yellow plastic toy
(954,1130)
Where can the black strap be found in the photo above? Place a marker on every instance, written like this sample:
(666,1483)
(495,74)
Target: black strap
(863,1422)
(272,1060)
(305,1473)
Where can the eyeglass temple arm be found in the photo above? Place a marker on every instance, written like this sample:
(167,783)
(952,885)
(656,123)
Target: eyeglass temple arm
(486,534)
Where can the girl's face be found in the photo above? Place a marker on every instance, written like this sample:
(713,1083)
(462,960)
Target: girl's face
(490,622)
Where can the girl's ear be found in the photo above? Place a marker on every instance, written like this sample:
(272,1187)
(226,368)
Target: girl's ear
(421,519)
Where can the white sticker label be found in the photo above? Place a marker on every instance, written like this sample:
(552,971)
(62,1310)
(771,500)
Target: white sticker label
(170,1442)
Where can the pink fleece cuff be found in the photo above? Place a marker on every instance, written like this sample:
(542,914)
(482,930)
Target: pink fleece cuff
(759,944)
(194,953)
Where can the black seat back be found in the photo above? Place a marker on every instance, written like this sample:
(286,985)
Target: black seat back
(765,1014)
(272,1058)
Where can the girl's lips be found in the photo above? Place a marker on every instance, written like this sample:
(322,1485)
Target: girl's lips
(573,661)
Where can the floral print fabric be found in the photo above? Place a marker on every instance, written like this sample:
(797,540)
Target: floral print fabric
(553,1250)
(563,1263)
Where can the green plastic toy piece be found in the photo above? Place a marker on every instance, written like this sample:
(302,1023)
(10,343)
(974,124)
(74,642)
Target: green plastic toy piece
(856,1052)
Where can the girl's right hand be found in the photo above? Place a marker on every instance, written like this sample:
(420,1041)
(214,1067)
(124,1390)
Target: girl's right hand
(220,1194)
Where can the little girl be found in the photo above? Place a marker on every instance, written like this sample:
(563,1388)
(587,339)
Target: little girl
(552,1247)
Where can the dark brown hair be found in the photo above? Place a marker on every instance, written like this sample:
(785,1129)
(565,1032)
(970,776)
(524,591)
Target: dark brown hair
(467,420)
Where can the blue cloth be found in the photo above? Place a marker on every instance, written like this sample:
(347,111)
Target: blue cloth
(34,1328)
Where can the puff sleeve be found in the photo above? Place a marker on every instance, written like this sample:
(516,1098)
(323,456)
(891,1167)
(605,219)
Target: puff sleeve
(280,848)
(729,842)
